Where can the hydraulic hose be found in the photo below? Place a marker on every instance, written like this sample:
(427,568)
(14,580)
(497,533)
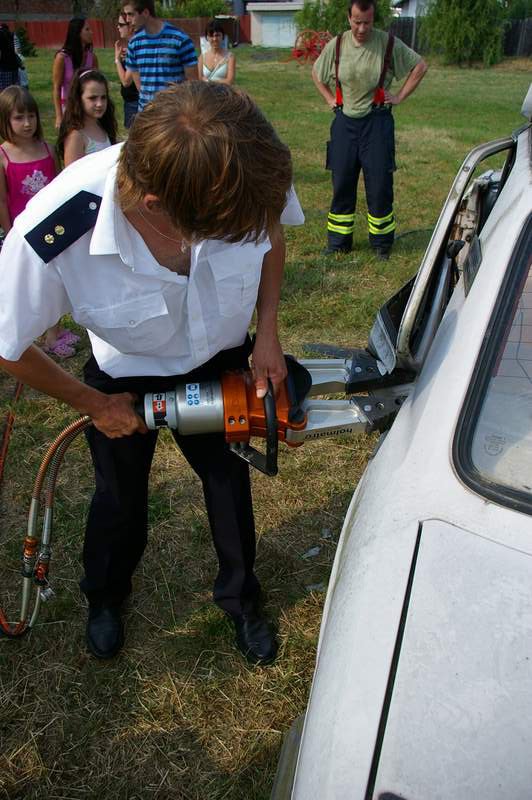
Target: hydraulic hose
(36,554)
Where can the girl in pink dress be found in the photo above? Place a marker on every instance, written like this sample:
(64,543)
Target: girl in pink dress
(27,164)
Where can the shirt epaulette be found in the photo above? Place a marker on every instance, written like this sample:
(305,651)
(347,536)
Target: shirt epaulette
(65,226)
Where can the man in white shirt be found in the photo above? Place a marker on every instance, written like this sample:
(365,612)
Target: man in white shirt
(162,248)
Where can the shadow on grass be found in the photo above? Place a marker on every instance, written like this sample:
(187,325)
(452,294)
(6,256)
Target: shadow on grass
(413,241)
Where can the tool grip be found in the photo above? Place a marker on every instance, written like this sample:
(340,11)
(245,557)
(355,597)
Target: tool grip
(272,440)
(264,462)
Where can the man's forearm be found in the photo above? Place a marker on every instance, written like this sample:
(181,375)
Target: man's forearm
(413,81)
(267,361)
(324,90)
(112,414)
(270,284)
(35,369)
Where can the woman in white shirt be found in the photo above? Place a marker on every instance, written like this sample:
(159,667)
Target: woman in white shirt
(217,64)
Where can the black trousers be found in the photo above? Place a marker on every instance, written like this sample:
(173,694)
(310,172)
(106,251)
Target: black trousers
(366,144)
(116,532)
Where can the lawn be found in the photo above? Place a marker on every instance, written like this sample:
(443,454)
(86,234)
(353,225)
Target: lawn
(178,714)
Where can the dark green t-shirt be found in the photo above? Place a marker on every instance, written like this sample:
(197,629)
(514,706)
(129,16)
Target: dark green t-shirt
(360,68)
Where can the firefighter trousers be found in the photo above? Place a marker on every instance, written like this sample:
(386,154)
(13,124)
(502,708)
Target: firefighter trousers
(366,144)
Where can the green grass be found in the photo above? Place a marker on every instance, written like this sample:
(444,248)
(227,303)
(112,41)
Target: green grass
(179,714)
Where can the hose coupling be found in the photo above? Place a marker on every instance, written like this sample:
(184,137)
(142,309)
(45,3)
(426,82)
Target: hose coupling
(47,593)
(41,570)
(29,551)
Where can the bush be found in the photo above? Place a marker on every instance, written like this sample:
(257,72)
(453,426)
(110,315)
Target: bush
(27,48)
(331,15)
(192,8)
(464,32)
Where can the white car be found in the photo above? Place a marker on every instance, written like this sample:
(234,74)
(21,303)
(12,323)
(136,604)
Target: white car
(423,680)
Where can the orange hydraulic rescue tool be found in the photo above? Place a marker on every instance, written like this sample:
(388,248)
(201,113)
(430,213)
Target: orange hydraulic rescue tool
(245,414)
(230,405)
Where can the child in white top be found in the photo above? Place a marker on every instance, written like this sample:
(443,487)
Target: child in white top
(89,122)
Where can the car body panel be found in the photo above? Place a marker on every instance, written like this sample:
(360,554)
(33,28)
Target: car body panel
(464,667)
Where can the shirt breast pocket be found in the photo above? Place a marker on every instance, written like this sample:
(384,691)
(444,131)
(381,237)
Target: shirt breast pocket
(138,326)
(236,289)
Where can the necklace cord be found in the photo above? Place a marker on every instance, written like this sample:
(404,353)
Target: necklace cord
(181,242)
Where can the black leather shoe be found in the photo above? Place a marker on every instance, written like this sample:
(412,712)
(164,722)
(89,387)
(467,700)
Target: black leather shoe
(254,638)
(105,631)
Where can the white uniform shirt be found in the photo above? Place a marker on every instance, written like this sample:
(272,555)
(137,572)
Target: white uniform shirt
(142,319)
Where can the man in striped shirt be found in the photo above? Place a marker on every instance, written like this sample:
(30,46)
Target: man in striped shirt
(158,53)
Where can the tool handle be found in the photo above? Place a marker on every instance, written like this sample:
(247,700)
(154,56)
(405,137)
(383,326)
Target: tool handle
(272,440)
(264,462)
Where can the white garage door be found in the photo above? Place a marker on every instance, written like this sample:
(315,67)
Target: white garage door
(278,30)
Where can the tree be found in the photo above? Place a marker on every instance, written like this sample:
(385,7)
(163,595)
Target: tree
(191,8)
(517,9)
(331,15)
(464,32)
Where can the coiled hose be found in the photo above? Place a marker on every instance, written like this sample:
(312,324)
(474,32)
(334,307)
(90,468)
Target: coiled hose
(35,554)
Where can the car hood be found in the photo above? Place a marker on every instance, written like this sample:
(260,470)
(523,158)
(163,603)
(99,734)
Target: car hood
(451,718)
(457,721)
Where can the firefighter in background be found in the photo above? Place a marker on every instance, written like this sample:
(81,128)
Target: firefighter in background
(362,132)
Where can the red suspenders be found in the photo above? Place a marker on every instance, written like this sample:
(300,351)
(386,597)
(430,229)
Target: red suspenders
(339,96)
(378,97)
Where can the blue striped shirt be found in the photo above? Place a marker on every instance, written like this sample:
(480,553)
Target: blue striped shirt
(160,59)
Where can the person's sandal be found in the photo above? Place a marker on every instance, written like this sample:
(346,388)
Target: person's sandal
(68,337)
(59,350)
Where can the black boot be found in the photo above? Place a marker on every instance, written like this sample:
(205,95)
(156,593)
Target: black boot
(331,250)
(105,631)
(382,253)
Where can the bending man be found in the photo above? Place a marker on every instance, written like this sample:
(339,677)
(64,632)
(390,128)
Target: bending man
(161,247)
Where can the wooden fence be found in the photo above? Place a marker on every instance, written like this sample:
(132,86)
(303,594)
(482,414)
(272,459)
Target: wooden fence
(517,36)
(52,33)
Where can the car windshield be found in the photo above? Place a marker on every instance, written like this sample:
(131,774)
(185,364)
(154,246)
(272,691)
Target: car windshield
(498,447)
